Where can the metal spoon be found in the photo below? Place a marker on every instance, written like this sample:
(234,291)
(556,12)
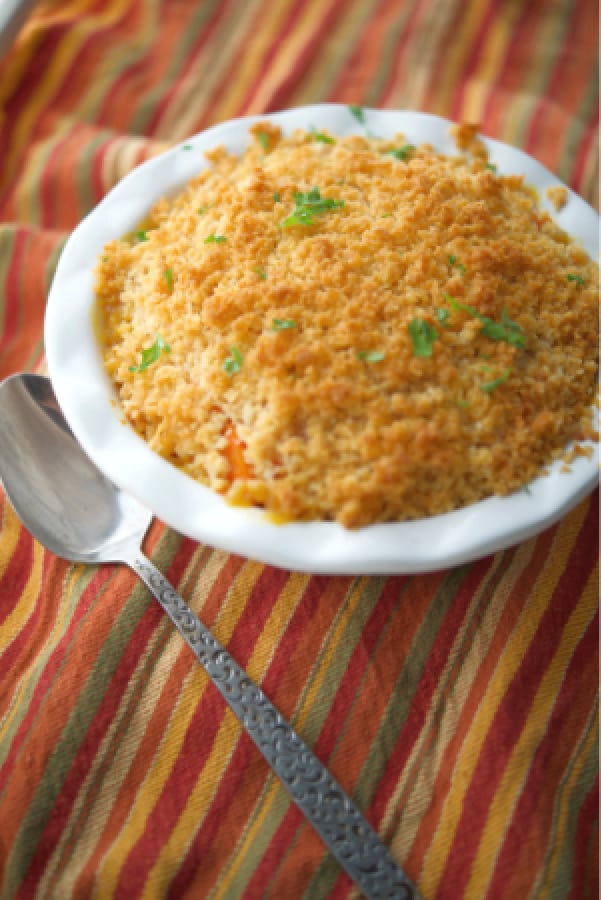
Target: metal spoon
(74,511)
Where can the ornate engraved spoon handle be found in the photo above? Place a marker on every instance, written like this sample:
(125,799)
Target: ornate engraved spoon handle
(334,816)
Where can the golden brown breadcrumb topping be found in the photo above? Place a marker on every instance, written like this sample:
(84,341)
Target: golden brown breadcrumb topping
(352,328)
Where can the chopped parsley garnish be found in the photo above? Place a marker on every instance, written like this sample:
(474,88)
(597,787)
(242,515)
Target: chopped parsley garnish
(442,315)
(308,205)
(422,336)
(276,197)
(141,236)
(168,276)
(358,113)
(151,354)
(506,330)
(201,210)
(402,153)
(578,279)
(282,324)
(233,363)
(371,355)
(264,139)
(186,146)
(456,265)
(261,273)
(491,166)
(321,137)
(489,386)
(215,239)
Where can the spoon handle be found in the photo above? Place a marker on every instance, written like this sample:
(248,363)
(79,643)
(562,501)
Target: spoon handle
(334,816)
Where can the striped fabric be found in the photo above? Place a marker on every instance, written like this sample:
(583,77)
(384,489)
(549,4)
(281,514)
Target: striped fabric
(459,708)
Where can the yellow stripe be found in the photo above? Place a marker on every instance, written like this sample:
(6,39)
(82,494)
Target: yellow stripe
(288,47)
(492,57)
(185,108)
(508,665)
(16,619)
(27,684)
(464,27)
(11,529)
(251,60)
(516,771)
(412,793)
(90,826)
(273,802)
(54,76)
(209,779)
(174,735)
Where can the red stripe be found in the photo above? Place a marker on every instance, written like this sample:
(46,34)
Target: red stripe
(14,580)
(318,588)
(586,148)
(199,739)
(513,711)
(206,33)
(96,731)
(47,677)
(473,60)
(12,288)
(532,819)
(297,67)
(419,13)
(534,141)
(585,881)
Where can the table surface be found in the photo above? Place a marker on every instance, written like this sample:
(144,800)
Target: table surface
(459,708)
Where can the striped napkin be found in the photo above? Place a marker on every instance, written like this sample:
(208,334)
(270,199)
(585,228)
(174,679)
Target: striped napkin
(460,708)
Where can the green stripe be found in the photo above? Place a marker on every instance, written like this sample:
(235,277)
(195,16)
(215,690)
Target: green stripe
(399,705)
(317,714)
(341,47)
(389,55)
(7,246)
(163,556)
(561,875)
(84,173)
(26,688)
(74,732)
(152,98)
(535,81)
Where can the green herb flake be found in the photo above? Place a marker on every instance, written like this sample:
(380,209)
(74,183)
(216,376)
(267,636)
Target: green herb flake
(373,356)
(282,324)
(215,239)
(454,264)
(358,113)
(442,315)
(151,354)
(491,167)
(506,330)
(201,210)
(233,363)
(422,336)
(309,205)
(141,236)
(276,197)
(264,140)
(489,386)
(261,273)
(320,136)
(403,153)
(577,279)
(187,147)
(168,276)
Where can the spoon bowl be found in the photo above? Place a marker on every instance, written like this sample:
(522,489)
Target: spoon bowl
(77,513)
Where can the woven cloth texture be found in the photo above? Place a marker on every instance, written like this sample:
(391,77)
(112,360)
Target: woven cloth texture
(460,708)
